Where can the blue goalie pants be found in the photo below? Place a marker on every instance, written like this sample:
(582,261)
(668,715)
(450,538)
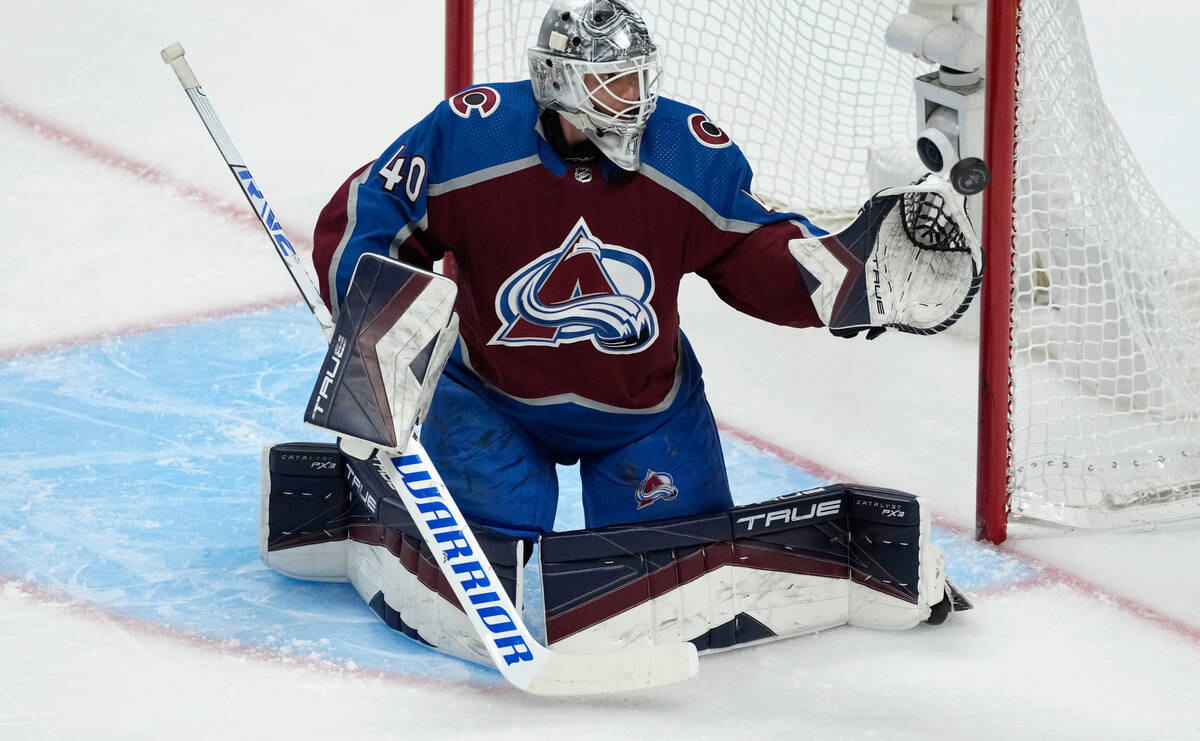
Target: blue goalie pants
(501,471)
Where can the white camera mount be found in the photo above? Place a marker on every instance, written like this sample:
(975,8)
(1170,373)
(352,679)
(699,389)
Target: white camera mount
(950,101)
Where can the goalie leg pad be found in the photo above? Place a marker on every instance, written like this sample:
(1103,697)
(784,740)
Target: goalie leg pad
(304,511)
(789,566)
(328,517)
(896,574)
(397,575)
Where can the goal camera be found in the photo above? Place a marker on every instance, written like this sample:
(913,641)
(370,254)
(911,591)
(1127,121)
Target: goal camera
(937,147)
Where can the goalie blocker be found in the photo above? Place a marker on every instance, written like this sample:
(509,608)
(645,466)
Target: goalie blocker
(389,346)
(797,564)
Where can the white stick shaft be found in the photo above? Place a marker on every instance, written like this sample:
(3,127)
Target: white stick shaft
(173,55)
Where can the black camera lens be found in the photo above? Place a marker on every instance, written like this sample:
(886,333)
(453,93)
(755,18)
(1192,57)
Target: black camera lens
(930,155)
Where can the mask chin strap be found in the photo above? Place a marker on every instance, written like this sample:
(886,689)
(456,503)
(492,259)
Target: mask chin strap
(621,149)
(552,130)
(579,121)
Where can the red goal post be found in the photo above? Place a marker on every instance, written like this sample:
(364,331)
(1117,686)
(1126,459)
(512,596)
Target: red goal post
(992,479)
(460,44)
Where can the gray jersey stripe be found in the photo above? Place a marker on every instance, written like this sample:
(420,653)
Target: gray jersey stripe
(805,231)
(719,221)
(351,221)
(404,233)
(479,176)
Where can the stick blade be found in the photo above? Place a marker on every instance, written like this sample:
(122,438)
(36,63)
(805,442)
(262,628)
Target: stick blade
(627,670)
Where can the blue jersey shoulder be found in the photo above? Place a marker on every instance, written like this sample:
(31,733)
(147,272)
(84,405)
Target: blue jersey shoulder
(682,143)
(482,126)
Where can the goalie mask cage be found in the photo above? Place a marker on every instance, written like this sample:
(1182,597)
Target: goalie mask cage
(1089,344)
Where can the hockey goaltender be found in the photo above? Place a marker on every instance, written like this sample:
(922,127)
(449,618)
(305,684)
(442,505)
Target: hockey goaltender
(566,208)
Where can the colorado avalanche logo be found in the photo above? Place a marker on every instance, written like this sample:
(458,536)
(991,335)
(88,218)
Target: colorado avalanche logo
(483,99)
(584,290)
(654,487)
(707,132)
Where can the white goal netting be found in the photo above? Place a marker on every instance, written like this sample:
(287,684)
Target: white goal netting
(806,89)
(1105,409)
(1106,305)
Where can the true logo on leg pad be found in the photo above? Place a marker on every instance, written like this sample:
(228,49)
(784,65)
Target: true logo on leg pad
(655,486)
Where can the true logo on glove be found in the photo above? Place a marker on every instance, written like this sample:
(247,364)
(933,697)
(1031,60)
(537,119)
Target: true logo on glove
(331,372)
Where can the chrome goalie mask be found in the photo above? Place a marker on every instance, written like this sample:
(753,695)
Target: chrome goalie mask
(595,64)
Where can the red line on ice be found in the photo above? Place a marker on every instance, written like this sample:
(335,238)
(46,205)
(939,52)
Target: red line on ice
(162,322)
(73,606)
(98,152)
(148,173)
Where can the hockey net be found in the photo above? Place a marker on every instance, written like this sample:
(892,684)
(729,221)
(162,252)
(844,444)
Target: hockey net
(1105,360)
(1103,423)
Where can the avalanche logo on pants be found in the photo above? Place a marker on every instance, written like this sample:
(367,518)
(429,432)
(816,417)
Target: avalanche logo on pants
(584,290)
(655,486)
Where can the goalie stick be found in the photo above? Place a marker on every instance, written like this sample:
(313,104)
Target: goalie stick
(523,661)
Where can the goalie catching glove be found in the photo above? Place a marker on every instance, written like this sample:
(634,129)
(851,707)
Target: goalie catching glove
(392,339)
(910,261)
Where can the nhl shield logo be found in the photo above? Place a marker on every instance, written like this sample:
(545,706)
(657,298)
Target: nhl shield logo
(585,290)
(655,486)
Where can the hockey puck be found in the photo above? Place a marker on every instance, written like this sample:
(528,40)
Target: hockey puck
(970,175)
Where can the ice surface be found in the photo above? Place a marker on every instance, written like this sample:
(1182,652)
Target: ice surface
(132,603)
